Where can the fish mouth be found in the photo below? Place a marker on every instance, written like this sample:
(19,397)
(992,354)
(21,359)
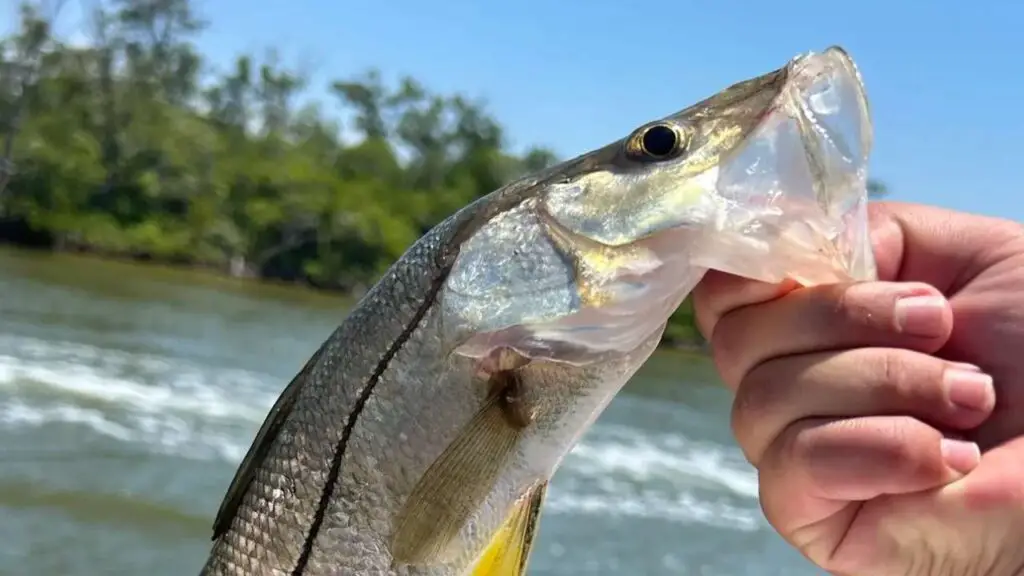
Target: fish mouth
(788,202)
(791,199)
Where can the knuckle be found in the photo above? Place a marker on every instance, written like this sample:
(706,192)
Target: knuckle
(1007,240)
(923,465)
(728,348)
(1007,230)
(894,373)
(717,295)
(896,441)
(859,306)
(704,309)
(908,380)
(757,403)
(907,451)
(746,438)
(798,444)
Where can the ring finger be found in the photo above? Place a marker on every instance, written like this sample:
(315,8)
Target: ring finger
(858,382)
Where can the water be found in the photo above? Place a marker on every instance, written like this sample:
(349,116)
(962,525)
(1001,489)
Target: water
(128,395)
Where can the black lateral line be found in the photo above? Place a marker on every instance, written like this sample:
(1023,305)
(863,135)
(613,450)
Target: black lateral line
(353,417)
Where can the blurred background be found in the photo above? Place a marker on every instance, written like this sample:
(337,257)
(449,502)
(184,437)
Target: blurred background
(193,192)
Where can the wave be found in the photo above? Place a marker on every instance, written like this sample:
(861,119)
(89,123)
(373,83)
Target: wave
(620,471)
(141,382)
(672,457)
(160,404)
(168,406)
(683,508)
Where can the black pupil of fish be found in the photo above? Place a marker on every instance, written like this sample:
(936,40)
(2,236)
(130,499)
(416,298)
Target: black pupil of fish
(659,141)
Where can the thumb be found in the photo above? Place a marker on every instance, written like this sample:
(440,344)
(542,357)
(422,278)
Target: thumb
(940,247)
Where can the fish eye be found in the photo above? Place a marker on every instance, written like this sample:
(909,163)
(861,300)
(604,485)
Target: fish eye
(656,142)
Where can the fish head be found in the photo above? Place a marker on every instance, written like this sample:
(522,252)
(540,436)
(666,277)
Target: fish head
(765,179)
(771,171)
(564,281)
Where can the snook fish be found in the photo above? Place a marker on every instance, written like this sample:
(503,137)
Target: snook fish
(420,438)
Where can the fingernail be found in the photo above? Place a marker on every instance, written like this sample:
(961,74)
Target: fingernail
(921,316)
(969,389)
(965,366)
(959,455)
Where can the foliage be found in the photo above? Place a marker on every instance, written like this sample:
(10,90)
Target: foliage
(120,147)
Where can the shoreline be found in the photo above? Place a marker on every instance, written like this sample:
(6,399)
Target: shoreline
(224,274)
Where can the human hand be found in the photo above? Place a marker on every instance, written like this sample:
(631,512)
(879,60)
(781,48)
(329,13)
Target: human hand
(852,404)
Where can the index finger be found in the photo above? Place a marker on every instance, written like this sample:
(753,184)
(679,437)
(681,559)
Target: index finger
(720,293)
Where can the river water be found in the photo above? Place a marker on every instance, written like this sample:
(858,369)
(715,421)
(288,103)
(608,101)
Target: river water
(129,393)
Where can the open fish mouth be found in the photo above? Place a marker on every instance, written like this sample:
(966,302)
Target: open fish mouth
(792,199)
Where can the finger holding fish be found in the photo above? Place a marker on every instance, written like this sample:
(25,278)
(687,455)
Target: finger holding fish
(854,383)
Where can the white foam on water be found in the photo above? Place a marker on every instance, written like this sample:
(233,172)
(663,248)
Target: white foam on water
(683,508)
(160,404)
(165,406)
(670,457)
(16,413)
(100,375)
(621,471)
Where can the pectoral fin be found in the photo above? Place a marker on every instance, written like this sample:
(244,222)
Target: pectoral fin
(458,482)
(509,550)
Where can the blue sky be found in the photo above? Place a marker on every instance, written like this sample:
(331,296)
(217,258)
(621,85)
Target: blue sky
(945,79)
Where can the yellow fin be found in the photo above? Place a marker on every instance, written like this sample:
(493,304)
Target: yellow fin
(454,487)
(509,549)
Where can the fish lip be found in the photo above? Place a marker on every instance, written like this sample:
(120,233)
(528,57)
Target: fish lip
(796,74)
(830,203)
(835,56)
(797,69)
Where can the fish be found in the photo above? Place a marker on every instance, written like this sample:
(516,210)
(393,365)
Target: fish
(420,439)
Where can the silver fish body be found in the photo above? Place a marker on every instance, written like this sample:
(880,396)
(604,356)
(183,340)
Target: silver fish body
(450,394)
